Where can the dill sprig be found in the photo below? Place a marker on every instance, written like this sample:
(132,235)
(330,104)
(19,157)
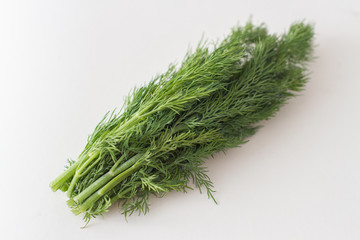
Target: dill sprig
(165,130)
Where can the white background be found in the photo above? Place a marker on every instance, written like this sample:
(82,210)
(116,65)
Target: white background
(63,64)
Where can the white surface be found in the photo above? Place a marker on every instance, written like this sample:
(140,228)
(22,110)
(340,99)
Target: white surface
(63,64)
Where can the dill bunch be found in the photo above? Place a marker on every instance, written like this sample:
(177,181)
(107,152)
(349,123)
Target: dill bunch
(165,130)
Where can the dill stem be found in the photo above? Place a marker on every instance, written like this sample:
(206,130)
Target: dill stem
(82,165)
(58,182)
(104,179)
(113,168)
(140,115)
(127,125)
(110,185)
(122,194)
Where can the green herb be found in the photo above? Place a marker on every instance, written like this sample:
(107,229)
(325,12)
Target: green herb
(211,102)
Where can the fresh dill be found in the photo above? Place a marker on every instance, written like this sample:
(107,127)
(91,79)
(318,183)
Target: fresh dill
(165,130)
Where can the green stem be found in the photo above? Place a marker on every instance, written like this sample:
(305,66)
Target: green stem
(58,182)
(104,179)
(117,163)
(64,187)
(88,169)
(82,165)
(123,193)
(136,118)
(110,185)
(128,124)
